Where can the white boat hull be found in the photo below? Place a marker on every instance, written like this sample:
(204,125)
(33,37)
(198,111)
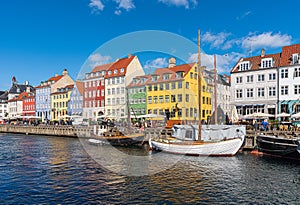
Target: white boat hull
(222,148)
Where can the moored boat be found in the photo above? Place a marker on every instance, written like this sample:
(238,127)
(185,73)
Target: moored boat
(217,140)
(279,146)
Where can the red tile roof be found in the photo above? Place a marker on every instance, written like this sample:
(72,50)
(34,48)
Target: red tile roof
(100,68)
(79,85)
(287,52)
(256,62)
(121,63)
(55,78)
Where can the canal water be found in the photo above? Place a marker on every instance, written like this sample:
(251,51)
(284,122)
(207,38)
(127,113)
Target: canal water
(53,170)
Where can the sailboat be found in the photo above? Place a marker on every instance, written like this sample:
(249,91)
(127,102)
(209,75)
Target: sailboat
(203,140)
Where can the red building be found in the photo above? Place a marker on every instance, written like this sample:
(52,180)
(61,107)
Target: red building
(28,104)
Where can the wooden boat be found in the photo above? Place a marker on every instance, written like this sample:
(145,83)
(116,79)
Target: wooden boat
(107,133)
(212,140)
(217,140)
(279,146)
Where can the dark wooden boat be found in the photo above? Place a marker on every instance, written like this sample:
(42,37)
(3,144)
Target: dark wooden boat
(279,146)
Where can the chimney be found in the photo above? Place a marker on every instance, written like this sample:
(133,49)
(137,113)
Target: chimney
(28,89)
(129,55)
(65,72)
(56,74)
(262,53)
(172,62)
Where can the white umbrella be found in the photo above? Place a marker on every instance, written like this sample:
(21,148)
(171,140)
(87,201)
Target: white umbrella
(234,115)
(283,114)
(297,115)
(151,116)
(258,115)
(64,116)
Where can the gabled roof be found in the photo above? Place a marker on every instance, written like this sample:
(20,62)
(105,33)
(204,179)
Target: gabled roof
(139,82)
(66,89)
(184,68)
(287,52)
(79,86)
(18,88)
(120,63)
(256,61)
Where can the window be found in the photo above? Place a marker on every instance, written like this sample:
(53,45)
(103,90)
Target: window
(173,98)
(261,78)
(267,63)
(244,66)
(122,70)
(260,92)
(149,99)
(166,77)
(179,75)
(239,79)
(109,72)
(155,87)
(297,72)
(150,88)
(295,58)
(167,98)
(113,91)
(155,99)
(117,80)
(272,76)
(108,91)
(115,71)
(161,99)
(173,86)
(179,96)
(187,85)
(284,90)
(167,86)
(239,93)
(187,98)
(179,85)
(249,78)
(191,75)
(284,73)
(272,91)
(296,89)
(113,81)
(161,87)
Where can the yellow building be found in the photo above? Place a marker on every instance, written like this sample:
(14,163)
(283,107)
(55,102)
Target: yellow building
(173,92)
(59,102)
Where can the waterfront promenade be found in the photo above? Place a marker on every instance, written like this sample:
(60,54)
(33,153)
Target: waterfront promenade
(85,132)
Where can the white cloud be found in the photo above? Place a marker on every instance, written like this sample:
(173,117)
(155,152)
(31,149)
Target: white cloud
(118,12)
(125,4)
(150,65)
(178,3)
(98,59)
(224,62)
(96,5)
(266,40)
(217,40)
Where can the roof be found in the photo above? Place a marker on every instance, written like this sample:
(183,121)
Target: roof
(256,62)
(65,89)
(139,82)
(21,97)
(54,78)
(100,68)
(120,63)
(79,86)
(184,68)
(287,52)
(18,88)
(4,96)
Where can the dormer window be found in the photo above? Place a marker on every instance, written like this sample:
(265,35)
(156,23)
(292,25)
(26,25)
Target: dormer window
(122,70)
(267,63)
(179,74)
(244,66)
(103,72)
(166,76)
(109,72)
(295,58)
(115,71)
(154,78)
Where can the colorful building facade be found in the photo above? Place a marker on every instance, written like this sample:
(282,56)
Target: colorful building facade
(59,102)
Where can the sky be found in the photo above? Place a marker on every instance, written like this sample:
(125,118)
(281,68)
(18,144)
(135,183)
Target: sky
(41,38)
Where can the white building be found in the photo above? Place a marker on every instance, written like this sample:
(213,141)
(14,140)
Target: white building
(3,103)
(289,80)
(118,77)
(254,84)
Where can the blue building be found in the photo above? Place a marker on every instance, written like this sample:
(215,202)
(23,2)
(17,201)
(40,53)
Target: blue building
(76,101)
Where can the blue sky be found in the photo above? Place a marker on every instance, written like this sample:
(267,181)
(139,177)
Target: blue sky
(41,38)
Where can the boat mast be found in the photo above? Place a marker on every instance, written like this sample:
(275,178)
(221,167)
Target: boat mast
(199,88)
(215,90)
